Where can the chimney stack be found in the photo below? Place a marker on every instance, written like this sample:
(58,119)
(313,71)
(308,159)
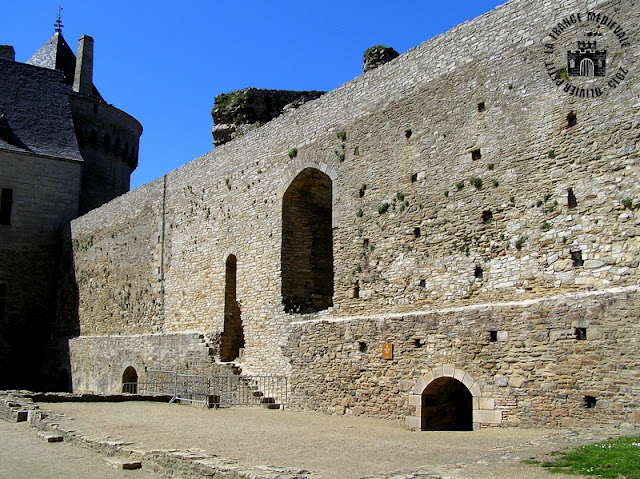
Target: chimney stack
(83,80)
(7,52)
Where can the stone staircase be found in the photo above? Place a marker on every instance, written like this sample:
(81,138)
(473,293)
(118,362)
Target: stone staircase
(248,387)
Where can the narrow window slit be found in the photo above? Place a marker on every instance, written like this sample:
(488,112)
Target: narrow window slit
(572,202)
(478,272)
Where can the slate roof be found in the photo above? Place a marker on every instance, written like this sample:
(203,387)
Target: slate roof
(56,54)
(35,113)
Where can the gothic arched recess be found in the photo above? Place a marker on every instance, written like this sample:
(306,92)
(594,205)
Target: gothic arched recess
(307,243)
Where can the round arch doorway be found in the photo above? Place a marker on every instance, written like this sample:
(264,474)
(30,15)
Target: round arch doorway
(447,405)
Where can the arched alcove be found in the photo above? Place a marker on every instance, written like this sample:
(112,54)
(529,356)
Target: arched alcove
(130,380)
(232,338)
(446,406)
(307,243)
(448,398)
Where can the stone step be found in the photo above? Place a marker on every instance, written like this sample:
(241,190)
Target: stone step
(49,437)
(125,464)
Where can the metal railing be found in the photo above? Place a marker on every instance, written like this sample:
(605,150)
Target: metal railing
(216,391)
(249,390)
(130,388)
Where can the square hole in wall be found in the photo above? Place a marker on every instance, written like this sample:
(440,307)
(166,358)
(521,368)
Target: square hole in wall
(580,334)
(493,336)
(589,402)
(416,232)
(576,257)
(476,154)
(362,347)
(481,107)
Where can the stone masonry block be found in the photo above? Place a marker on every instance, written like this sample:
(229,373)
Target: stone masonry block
(419,387)
(448,370)
(475,390)
(487,417)
(468,381)
(459,374)
(413,422)
(415,400)
(487,404)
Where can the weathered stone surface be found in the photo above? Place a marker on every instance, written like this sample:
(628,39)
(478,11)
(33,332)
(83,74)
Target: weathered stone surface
(417,261)
(377,55)
(238,112)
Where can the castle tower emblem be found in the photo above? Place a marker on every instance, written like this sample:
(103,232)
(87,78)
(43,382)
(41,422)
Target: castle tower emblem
(587,61)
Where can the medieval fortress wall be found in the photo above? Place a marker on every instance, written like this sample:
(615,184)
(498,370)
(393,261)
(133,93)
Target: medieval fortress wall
(482,219)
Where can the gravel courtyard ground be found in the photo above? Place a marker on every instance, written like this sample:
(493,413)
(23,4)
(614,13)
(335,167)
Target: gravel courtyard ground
(24,456)
(331,446)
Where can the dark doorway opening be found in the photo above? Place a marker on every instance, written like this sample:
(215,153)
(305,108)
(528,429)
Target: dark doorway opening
(63,383)
(307,243)
(447,406)
(232,339)
(130,380)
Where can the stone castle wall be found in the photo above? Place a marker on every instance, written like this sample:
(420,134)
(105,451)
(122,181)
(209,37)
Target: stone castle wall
(458,179)
(28,258)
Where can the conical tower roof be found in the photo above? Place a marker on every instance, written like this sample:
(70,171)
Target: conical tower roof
(55,54)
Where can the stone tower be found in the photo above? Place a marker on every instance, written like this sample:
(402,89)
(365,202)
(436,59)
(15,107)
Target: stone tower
(63,151)
(108,137)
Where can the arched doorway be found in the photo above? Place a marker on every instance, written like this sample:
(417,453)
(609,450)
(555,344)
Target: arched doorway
(587,68)
(307,243)
(447,405)
(232,338)
(130,380)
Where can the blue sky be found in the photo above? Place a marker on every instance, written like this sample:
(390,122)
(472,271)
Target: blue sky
(164,62)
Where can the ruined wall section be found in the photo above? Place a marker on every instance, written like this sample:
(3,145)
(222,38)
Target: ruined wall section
(402,135)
